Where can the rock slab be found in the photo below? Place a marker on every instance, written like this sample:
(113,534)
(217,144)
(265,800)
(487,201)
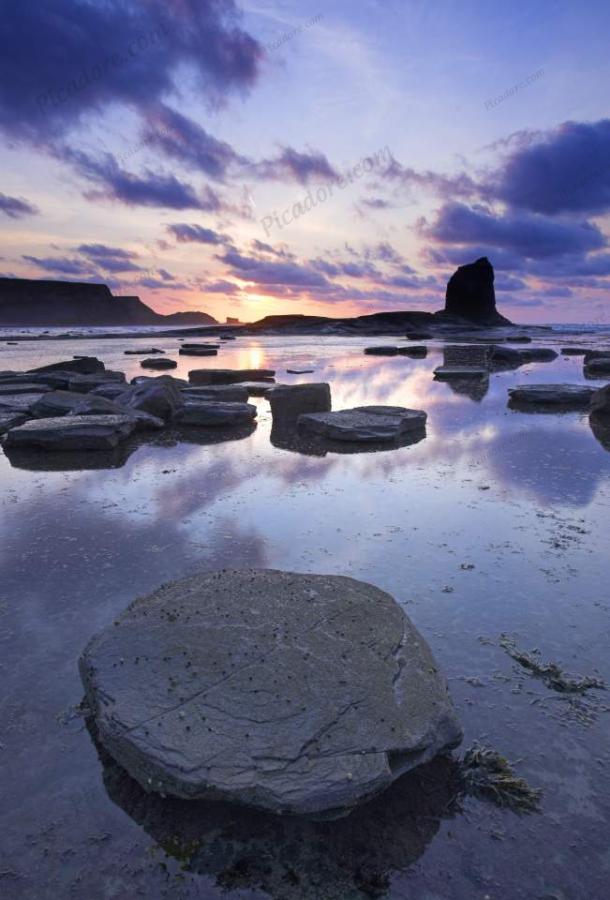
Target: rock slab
(294,693)
(576,396)
(367,424)
(72,433)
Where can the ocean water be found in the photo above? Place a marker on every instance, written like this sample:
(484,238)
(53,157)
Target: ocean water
(492,527)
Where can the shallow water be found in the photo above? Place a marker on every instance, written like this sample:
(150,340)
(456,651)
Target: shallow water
(495,523)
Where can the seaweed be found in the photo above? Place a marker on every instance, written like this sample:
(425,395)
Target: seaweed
(549,672)
(489,776)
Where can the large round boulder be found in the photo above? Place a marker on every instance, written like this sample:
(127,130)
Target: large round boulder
(294,693)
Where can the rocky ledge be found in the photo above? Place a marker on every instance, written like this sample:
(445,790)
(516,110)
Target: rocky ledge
(302,694)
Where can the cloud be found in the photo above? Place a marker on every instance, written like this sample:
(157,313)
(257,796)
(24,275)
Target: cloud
(111,259)
(68,58)
(261,271)
(150,189)
(183,139)
(446,186)
(566,169)
(64,266)
(187,234)
(290,165)
(221,287)
(16,207)
(532,236)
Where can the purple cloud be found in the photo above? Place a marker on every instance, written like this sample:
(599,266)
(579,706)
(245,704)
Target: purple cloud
(72,57)
(187,234)
(533,236)
(64,266)
(183,139)
(563,170)
(16,207)
(290,165)
(149,189)
(267,272)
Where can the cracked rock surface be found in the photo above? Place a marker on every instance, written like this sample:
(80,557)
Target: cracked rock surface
(294,693)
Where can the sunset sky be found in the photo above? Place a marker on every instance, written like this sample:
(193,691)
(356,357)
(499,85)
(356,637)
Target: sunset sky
(330,158)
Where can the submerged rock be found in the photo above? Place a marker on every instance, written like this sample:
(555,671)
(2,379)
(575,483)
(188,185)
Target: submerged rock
(364,423)
(384,350)
(147,351)
(22,387)
(229,376)
(598,367)
(294,693)
(198,351)
(577,396)
(85,365)
(72,433)
(10,420)
(419,336)
(214,413)
(158,363)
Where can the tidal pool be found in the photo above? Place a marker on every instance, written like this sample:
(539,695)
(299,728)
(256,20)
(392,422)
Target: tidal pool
(492,530)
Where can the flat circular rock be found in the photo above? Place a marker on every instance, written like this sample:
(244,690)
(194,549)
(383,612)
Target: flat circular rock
(294,693)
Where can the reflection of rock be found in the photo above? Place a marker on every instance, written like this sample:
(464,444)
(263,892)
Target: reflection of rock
(294,858)
(459,355)
(419,336)
(383,350)
(204,437)
(364,423)
(600,426)
(289,401)
(573,351)
(600,402)
(294,693)
(562,396)
(33,460)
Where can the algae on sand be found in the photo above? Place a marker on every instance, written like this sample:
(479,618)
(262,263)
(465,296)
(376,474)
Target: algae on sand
(550,673)
(489,776)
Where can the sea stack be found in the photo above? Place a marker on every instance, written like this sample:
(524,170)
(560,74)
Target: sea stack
(470,294)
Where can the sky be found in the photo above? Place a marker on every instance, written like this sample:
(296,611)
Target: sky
(292,156)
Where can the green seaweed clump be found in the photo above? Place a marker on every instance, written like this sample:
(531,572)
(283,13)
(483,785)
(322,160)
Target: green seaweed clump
(489,776)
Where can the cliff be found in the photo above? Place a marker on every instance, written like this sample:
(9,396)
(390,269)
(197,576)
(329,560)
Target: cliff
(26,302)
